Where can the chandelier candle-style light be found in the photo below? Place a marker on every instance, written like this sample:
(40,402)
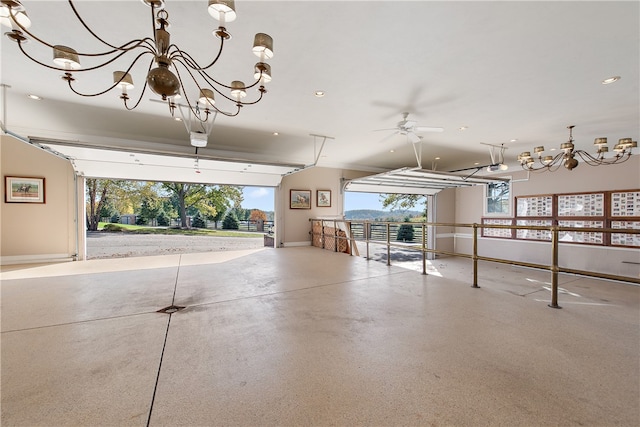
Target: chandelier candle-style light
(567,157)
(168,63)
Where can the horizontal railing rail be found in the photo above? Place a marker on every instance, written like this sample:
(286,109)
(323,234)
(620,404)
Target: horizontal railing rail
(345,233)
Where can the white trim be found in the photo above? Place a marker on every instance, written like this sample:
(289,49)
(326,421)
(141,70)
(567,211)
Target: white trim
(294,244)
(466,236)
(34,259)
(507,214)
(445,235)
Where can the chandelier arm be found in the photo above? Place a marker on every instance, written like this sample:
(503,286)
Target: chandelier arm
(79,70)
(112,86)
(551,167)
(195,111)
(556,159)
(192,62)
(207,77)
(593,161)
(144,89)
(262,92)
(189,63)
(125,47)
(115,48)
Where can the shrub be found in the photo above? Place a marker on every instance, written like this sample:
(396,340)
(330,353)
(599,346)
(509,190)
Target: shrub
(112,228)
(163,219)
(140,220)
(405,233)
(115,219)
(230,222)
(198,222)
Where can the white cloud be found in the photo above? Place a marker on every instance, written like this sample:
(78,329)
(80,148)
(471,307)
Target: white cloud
(258,193)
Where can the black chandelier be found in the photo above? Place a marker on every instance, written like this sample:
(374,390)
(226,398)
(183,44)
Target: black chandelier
(567,157)
(164,57)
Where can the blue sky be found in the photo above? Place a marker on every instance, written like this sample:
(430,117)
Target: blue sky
(258,198)
(354,201)
(262,198)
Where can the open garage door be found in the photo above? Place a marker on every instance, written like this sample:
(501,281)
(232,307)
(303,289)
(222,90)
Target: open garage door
(139,165)
(415,181)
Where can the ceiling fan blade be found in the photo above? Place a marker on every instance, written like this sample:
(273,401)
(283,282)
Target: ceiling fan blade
(427,129)
(412,137)
(386,130)
(388,137)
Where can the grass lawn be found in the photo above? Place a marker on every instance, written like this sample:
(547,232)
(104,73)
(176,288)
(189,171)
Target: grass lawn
(142,229)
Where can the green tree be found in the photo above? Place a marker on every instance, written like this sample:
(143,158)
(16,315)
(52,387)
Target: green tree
(230,222)
(201,197)
(107,210)
(405,232)
(162,219)
(198,221)
(97,191)
(115,218)
(403,201)
(217,217)
(149,208)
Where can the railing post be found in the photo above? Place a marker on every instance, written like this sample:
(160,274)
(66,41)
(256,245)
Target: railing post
(388,245)
(424,252)
(475,256)
(554,267)
(351,240)
(367,230)
(322,233)
(335,235)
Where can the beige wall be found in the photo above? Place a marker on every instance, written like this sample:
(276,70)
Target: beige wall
(292,225)
(37,232)
(619,261)
(445,202)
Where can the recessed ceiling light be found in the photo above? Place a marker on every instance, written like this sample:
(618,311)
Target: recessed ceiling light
(177,119)
(276,134)
(319,93)
(476,163)
(552,149)
(437,158)
(513,140)
(392,151)
(463,128)
(35,97)
(610,80)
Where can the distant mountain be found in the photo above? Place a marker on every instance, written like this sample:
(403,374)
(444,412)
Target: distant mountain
(372,214)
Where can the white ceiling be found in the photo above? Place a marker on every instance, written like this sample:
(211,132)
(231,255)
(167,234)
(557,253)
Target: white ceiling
(504,69)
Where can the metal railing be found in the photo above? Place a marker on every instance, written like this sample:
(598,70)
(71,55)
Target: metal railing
(323,230)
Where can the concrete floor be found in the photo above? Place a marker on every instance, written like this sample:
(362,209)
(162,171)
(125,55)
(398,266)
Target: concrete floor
(306,337)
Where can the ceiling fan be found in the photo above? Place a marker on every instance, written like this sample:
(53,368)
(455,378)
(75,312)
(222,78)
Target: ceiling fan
(410,128)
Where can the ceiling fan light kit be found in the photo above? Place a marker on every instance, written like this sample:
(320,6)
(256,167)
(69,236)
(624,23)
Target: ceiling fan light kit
(567,157)
(165,79)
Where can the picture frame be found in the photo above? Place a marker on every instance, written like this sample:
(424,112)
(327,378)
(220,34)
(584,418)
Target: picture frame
(20,189)
(323,198)
(300,199)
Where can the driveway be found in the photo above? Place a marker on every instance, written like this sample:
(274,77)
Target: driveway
(121,245)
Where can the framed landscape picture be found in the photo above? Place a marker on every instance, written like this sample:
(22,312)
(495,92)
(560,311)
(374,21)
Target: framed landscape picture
(300,199)
(323,198)
(23,190)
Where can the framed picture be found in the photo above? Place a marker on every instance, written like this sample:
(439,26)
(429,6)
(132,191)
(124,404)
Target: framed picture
(19,189)
(323,198)
(300,199)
